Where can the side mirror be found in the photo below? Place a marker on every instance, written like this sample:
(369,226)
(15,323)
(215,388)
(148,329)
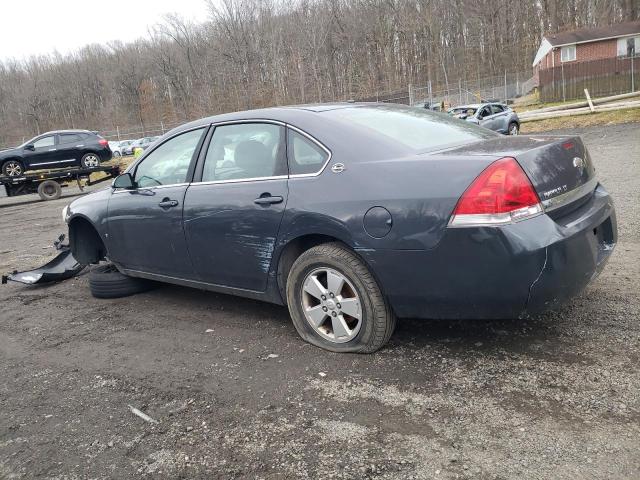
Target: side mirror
(29,147)
(123,181)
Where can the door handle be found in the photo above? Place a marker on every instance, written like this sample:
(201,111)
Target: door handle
(267,200)
(168,203)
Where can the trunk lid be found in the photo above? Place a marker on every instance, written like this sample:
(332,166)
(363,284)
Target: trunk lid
(558,166)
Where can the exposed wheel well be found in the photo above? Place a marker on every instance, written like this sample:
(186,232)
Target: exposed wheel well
(292,251)
(86,245)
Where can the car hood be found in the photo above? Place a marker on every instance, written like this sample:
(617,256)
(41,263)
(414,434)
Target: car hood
(9,152)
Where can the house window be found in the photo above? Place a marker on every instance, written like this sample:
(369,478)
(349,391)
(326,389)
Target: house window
(629,47)
(568,53)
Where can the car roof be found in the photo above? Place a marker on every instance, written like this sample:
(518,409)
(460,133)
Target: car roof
(53,132)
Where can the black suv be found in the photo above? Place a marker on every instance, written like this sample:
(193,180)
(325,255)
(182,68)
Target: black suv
(63,148)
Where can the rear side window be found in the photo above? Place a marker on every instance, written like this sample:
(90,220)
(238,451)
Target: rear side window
(305,156)
(245,151)
(69,138)
(415,128)
(169,163)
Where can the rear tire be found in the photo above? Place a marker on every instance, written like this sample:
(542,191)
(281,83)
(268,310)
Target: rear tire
(514,129)
(90,160)
(358,288)
(105,281)
(12,168)
(49,190)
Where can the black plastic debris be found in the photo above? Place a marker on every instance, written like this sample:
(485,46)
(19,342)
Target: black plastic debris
(62,267)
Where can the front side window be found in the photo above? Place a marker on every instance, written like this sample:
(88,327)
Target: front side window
(169,163)
(305,156)
(245,151)
(496,109)
(44,142)
(568,53)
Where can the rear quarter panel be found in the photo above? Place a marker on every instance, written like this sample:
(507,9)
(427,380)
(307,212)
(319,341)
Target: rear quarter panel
(420,192)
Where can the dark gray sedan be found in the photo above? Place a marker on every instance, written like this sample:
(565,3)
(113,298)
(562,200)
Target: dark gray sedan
(494,116)
(353,215)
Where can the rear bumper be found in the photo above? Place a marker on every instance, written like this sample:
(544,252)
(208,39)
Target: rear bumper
(105,154)
(500,272)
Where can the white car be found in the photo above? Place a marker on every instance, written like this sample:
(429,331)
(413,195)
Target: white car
(116,149)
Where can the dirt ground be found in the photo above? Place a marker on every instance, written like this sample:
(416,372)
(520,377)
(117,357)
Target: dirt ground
(237,394)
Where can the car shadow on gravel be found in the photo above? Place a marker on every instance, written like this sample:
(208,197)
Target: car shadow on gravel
(539,336)
(536,336)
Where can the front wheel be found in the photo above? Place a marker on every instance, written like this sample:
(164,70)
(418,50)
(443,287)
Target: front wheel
(12,168)
(335,303)
(90,160)
(514,129)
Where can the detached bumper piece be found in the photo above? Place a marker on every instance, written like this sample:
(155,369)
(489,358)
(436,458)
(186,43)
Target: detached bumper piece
(62,267)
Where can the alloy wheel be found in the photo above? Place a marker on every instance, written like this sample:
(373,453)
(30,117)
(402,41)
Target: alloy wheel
(91,161)
(331,305)
(513,130)
(13,169)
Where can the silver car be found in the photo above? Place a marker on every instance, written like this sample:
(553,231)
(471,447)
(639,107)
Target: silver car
(494,116)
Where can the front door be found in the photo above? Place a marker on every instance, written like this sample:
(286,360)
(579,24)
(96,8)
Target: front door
(145,223)
(232,216)
(44,154)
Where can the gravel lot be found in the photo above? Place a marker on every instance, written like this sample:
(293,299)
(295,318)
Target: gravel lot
(237,394)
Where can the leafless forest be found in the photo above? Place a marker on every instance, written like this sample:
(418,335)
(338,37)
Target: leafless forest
(254,53)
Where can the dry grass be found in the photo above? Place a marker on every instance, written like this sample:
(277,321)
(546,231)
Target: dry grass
(603,118)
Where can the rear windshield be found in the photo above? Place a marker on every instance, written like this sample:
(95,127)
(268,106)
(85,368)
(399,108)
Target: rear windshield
(415,128)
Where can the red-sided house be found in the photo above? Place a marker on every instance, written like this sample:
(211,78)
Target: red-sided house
(587,44)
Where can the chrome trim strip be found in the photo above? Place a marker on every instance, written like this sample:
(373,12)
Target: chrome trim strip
(561,200)
(317,142)
(57,161)
(156,187)
(240,180)
(248,120)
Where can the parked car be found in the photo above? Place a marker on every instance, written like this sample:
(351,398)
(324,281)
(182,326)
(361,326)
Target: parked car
(144,143)
(353,214)
(494,116)
(126,147)
(116,150)
(63,148)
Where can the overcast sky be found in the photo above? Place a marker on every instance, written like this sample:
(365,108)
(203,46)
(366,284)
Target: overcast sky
(33,27)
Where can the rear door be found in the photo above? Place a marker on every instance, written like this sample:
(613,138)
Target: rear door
(145,223)
(233,212)
(69,148)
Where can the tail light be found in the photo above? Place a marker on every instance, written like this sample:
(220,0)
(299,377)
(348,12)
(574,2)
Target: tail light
(501,194)
(103,142)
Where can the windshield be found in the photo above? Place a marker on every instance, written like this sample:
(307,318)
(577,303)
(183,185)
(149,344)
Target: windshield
(415,128)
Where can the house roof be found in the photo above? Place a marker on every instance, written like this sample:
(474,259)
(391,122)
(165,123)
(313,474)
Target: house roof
(584,35)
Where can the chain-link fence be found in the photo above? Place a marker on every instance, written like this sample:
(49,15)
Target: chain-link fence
(504,88)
